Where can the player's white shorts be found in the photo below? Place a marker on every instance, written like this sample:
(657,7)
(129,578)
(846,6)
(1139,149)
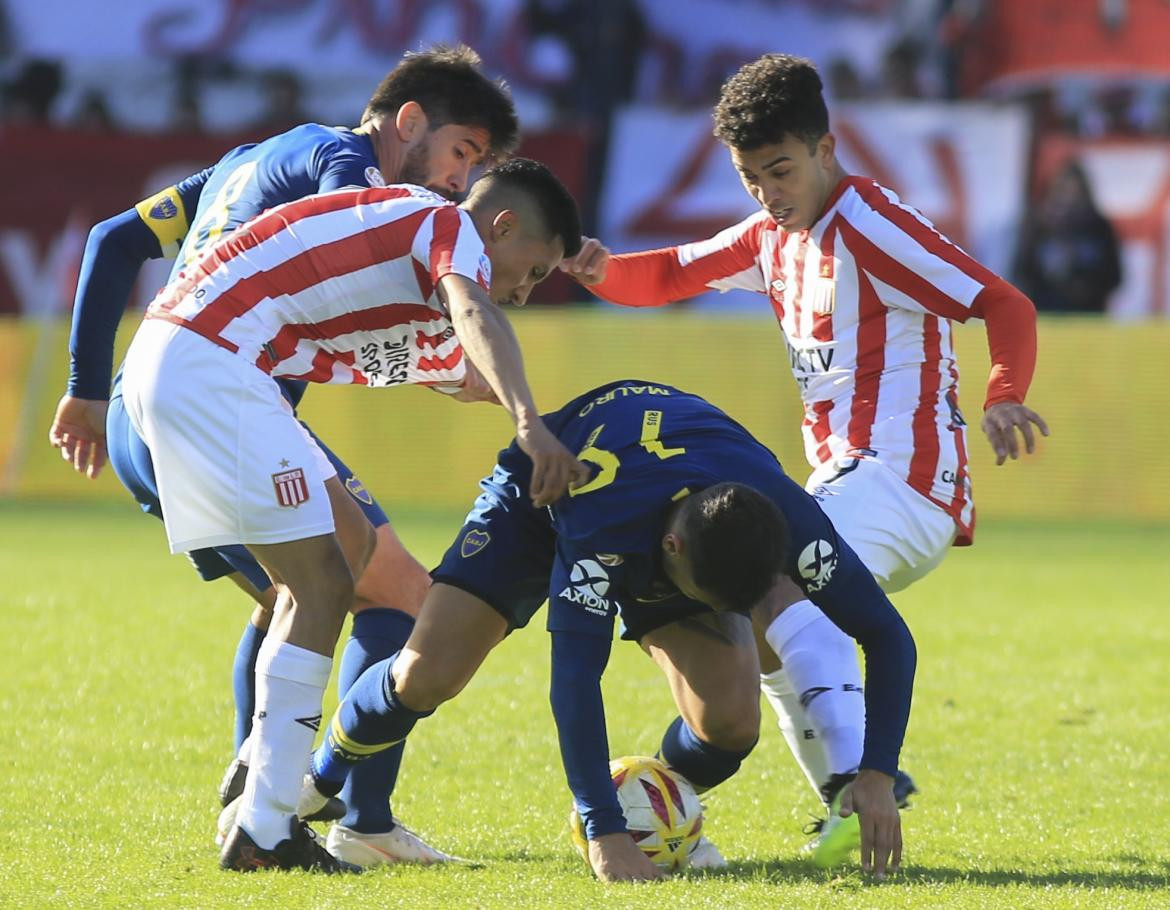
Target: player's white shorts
(232,463)
(899,534)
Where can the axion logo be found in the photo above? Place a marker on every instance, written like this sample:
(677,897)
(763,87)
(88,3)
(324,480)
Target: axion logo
(588,585)
(816,564)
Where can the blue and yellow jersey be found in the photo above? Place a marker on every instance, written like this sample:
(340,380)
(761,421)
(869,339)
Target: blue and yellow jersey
(181,220)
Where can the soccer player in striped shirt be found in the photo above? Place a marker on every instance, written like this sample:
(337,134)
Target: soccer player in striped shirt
(432,119)
(865,291)
(377,287)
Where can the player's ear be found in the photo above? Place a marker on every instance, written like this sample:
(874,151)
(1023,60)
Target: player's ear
(672,544)
(826,147)
(505,224)
(410,121)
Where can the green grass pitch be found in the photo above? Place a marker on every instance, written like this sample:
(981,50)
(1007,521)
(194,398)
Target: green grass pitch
(1038,737)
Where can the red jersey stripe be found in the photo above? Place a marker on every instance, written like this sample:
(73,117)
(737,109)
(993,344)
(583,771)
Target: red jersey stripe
(443,239)
(891,272)
(871,361)
(310,267)
(927,237)
(821,429)
(367,320)
(924,461)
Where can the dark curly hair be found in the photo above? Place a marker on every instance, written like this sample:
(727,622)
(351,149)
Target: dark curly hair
(737,540)
(770,98)
(448,84)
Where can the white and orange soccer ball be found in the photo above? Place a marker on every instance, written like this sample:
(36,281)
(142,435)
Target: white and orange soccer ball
(662,811)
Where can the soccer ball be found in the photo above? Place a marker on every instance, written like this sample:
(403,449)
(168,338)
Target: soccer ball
(662,811)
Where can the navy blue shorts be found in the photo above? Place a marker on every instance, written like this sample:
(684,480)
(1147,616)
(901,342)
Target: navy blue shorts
(131,461)
(505,550)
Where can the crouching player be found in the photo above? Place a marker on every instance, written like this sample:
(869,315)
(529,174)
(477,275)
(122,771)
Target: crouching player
(687,527)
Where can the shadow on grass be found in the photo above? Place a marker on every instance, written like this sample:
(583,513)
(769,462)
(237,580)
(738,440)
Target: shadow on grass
(1146,875)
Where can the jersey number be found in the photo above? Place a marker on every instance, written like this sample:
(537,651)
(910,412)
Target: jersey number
(210,225)
(608,462)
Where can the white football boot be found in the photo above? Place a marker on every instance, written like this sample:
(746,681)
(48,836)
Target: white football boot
(399,845)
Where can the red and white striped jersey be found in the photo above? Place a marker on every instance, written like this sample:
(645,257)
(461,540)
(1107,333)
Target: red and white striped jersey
(337,287)
(865,299)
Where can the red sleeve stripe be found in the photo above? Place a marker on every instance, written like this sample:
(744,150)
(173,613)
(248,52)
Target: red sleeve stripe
(924,461)
(889,271)
(927,237)
(871,361)
(445,234)
(310,267)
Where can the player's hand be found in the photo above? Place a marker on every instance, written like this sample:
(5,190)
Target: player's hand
(871,796)
(554,468)
(1000,422)
(588,266)
(616,858)
(79,431)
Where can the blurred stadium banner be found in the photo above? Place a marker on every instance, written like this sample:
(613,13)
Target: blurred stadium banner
(415,448)
(57,183)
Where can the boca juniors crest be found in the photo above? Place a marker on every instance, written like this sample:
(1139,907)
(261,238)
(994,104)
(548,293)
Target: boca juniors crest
(291,487)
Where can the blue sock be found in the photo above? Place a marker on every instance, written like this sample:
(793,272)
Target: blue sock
(376,635)
(701,763)
(244,680)
(369,720)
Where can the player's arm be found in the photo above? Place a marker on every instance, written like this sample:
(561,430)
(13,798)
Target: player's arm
(1010,318)
(924,271)
(114,253)
(579,658)
(656,277)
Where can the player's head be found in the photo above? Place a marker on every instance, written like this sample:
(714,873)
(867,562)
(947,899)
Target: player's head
(725,546)
(447,114)
(772,118)
(528,222)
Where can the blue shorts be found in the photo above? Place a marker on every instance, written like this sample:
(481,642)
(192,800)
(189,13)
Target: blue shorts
(131,461)
(506,554)
(505,550)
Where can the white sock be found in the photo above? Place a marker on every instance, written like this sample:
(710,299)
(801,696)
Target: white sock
(823,671)
(290,683)
(797,728)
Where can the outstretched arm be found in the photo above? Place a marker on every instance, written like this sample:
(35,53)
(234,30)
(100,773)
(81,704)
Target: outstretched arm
(490,343)
(114,253)
(578,662)
(1011,337)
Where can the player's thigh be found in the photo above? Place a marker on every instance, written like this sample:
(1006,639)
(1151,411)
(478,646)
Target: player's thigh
(899,534)
(391,577)
(714,674)
(315,590)
(355,535)
(454,633)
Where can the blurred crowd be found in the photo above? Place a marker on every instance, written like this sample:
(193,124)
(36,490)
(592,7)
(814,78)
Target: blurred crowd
(575,62)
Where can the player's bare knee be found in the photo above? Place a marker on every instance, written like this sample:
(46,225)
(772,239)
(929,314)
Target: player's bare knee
(423,685)
(732,731)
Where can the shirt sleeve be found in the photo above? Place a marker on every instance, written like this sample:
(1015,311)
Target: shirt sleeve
(448,244)
(578,662)
(910,264)
(1010,318)
(338,165)
(114,253)
(728,260)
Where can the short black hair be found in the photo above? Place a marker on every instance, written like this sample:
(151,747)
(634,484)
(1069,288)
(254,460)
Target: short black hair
(768,99)
(448,84)
(558,209)
(737,540)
